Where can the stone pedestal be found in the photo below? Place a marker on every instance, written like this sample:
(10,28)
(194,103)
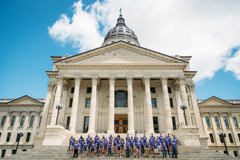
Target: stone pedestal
(54,135)
(187,136)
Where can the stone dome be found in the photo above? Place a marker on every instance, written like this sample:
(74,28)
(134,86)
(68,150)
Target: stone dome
(120,32)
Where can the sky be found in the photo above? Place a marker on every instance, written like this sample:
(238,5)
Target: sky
(32,31)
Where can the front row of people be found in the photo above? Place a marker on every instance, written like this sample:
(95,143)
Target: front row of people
(118,145)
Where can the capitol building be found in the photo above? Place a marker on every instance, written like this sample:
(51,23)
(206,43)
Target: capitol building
(119,88)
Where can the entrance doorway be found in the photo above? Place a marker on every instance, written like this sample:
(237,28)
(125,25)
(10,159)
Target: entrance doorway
(121,123)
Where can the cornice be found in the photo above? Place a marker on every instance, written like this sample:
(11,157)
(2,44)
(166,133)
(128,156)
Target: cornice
(190,74)
(52,74)
(122,65)
(15,104)
(216,106)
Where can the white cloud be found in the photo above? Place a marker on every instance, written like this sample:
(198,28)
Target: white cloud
(207,30)
(233,64)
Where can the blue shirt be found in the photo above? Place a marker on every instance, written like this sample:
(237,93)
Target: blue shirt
(93,145)
(105,143)
(128,138)
(98,141)
(151,141)
(161,138)
(118,145)
(114,142)
(122,142)
(73,142)
(110,146)
(80,140)
(82,143)
(175,140)
(90,142)
(163,145)
(155,146)
(88,139)
(85,145)
(141,141)
(95,139)
(173,145)
(101,145)
(127,145)
(158,141)
(135,139)
(131,142)
(118,139)
(138,144)
(110,138)
(144,139)
(166,141)
(169,138)
(70,140)
(147,144)
(76,146)
(153,137)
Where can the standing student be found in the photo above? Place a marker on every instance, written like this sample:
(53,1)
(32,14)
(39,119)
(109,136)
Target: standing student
(175,139)
(144,138)
(127,138)
(135,138)
(103,137)
(151,141)
(109,148)
(131,145)
(88,141)
(167,144)
(127,149)
(158,144)
(155,149)
(142,148)
(147,148)
(85,146)
(93,148)
(96,138)
(70,143)
(161,137)
(101,148)
(115,145)
(118,138)
(138,149)
(122,145)
(118,149)
(111,138)
(89,145)
(153,136)
(76,148)
(163,148)
(105,146)
(81,148)
(174,149)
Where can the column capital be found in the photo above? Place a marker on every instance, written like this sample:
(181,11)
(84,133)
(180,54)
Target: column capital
(60,79)
(211,114)
(181,79)
(229,115)
(164,79)
(191,87)
(50,86)
(176,87)
(78,79)
(221,113)
(129,79)
(111,79)
(94,79)
(203,114)
(146,79)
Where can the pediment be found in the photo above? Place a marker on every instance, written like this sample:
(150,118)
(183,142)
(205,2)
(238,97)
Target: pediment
(121,53)
(26,100)
(215,101)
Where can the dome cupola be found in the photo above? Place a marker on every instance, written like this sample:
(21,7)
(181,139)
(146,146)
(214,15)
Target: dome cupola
(120,32)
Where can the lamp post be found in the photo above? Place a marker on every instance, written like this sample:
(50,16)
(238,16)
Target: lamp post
(58,107)
(183,107)
(19,134)
(222,136)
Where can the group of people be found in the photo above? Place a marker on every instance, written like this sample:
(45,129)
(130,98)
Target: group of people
(117,145)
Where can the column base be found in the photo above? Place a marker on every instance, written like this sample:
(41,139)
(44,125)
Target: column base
(91,132)
(53,135)
(110,132)
(131,132)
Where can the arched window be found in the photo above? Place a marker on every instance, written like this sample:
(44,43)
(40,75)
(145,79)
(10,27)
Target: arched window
(230,137)
(208,122)
(40,121)
(235,122)
(28,137)
(12,121)
(211,138)
(22,121)
(31,121)
(8,137)
(3,120)
(226,122)
(217,122)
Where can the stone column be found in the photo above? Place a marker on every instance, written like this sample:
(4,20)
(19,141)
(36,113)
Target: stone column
(167,107)
(34,127)
(184,98)
(196,109)
(215,132)
(148,105)
(111,105)
(5,127)
(57,100)
(179,102)
(205,124)
(75,103)
(130,105)
(64,103)
(233,128)
(25,126)
(93,105)
(15,127)
(45,110)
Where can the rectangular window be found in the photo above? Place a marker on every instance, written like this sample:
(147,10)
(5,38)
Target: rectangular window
(152,90)
(174,123)
(189,102)
(116,121)
(88,102)
(169,90)
(125,122)
(155,124)
(72,90)
(85,125)
(3,153)
(14,151)
(68,122)
(89,89)
(171,102)
(70,102)
(154,104)
(186,90)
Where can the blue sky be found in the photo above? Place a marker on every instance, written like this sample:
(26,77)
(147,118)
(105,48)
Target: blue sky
(26,46)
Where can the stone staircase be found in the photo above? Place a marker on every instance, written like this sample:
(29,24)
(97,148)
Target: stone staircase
(61,153)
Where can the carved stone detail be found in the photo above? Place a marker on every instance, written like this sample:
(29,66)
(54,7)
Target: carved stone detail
(164,79)
(146,79)
(191,87)
(181,79)
(94,79)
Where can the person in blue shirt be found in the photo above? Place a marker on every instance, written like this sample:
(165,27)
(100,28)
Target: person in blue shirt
(175,139)
(96,138)
(153,136)
(76,148)
(118,149)
(161,137)
(131,145)
(169,138)
(101,148)
(155,149)
(105,146)
(89,145)
(122,145)
(98,143)
(88,141)
(127,149)
(85,147)
(138,149)
(103,138)
(163,148)
(93,148)
(135,138)
(115,145)
(70,142)
(109,149)
(127,138)
(142,148)
(81,144)
(111,138)
(147,144)
(151,141)
(118,138)
(158,144)
(167,144)
(144,138)
(174,149)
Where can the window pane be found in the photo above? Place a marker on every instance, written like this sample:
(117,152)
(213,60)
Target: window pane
(155,124)
(88,102)
(3,120)
(70,102)
(120,94)
(28,137)
(226,122)
(116,121)
(72,90)
(125,121)
(154,105)
(211,138)
(89,89)
(85,125)
(13,120)
(169,90)
(31,121)
(171,102)
(152,90)
(174,123)
(8,137)
(235,122)
(121,103)
(221,139)
(230,138)
(40,120)
(217,122)
(208,122)
(22,120)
